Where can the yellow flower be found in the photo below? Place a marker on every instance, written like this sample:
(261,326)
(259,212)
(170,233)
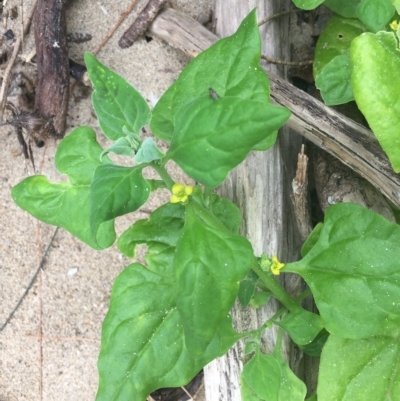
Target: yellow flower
(180,193)
(394,25)
(276,266)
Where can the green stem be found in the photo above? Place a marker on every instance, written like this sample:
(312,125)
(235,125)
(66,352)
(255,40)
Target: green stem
(162,172)
(272,284)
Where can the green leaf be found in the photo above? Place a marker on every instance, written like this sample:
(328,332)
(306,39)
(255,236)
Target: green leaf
(375,80)
(226,212)
(209,265)
(396,4)
(148,152)
(231,67)
(335,40)
(375,13)
(301,325)
(268,378)
(344,8)
(316,346)
(115,101)
(122,146)
(260,299)
(143,341)
(312,239)
(312,398)
(360,370)
(67,204)
(334,81)
(214,136)
(307,4)
(164,227)
(247,288)
(353,271)
(115,191)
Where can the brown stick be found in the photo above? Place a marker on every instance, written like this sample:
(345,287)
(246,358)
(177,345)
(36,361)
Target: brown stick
(340,136)
(141,23)
(51,101)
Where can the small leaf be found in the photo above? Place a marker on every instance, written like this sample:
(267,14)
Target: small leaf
(163,227)
(122,146)
(375,13)
(334,81)
(360,370)
(376,83)
(209,265)
(260,299)
(115,191)
(212,137)
(344,8)
(148,152)
(307,4)
(301,325)
(316,345)
(143,326)
(335,40)
(267,378)
(115,101)
(226,212)
(247,288)
(354,273)
(312,239)
(78,155)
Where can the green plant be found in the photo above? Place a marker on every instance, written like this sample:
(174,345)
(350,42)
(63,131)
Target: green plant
(175,310)
(358,58)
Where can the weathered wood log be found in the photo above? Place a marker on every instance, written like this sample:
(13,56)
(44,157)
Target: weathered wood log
(340,136)
(52,90)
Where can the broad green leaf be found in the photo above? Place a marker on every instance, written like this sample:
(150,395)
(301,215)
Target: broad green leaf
(164,227)
(360,370)
(213,136)
(307,4)
(78,156)
(301,325)
(334,81)
(115,101)
(344,8)
(231,67)
(115,191)
(269,378)
(376,83)
(353,271)
(143,341)
(247,288)
(375,13)
(67,205)
(209,265)
(148,152)
(335,40)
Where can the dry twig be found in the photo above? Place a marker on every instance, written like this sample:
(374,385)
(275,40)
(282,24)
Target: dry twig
(141,23)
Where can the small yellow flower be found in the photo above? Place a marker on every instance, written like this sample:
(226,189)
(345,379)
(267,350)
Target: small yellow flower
(276,266)
(180,193)
(394,25)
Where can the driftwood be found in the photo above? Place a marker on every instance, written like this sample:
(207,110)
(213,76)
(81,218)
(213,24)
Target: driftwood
(340,136)
(52,90)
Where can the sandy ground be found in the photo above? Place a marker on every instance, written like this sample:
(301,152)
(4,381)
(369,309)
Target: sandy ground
(48,351)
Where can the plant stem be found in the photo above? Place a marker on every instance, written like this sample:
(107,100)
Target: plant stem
(162,172)
(272,284)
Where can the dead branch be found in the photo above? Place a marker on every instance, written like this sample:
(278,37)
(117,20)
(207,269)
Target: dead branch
(340,136)
(141,23)
(52,90)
